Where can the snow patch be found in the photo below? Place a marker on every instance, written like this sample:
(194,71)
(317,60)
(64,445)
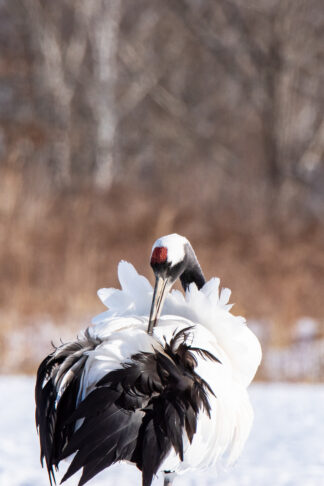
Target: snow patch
(285,447)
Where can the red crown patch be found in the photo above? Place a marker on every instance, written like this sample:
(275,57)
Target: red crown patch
(159,255)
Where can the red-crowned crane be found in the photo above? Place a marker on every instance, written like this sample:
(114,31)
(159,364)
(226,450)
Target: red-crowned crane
(159,380)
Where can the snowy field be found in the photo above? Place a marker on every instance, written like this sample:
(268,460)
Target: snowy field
(286,446)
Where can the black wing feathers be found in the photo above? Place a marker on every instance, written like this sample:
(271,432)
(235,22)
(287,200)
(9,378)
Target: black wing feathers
(136,413)
(56,392)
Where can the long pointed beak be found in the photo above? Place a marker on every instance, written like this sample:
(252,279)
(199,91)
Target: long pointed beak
(161,289)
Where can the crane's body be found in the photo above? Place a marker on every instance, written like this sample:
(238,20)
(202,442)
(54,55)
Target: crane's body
(173,399)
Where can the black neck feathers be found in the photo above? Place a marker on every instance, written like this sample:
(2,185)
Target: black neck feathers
(192,272)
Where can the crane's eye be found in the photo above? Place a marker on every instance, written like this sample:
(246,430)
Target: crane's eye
(159,255)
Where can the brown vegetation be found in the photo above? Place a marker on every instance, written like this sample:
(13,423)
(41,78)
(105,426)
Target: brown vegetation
(56,254)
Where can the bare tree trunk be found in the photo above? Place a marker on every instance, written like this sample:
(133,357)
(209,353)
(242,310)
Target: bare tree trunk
(271,115)
(104,39)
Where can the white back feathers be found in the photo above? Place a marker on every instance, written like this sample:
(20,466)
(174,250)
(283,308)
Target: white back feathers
(208,307)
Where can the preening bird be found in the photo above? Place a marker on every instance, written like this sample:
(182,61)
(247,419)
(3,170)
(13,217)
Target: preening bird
(159,380)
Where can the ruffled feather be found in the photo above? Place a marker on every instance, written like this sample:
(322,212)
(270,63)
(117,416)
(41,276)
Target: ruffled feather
(208,307)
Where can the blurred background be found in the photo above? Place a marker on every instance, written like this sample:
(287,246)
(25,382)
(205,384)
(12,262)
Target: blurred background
(121,121)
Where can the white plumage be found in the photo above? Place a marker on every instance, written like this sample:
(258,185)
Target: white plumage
(121,332)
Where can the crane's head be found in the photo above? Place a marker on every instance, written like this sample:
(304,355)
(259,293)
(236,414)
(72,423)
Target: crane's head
(172,258)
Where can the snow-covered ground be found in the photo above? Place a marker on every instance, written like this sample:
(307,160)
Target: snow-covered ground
(285,448)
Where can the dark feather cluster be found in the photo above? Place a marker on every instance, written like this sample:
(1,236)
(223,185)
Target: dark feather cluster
(56,393)
(136,413)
